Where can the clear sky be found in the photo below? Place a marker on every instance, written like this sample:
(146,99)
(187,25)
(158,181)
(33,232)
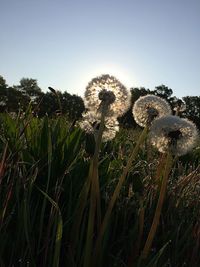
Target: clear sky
(65,43)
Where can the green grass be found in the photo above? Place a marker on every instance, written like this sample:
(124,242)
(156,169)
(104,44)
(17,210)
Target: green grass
(44,198)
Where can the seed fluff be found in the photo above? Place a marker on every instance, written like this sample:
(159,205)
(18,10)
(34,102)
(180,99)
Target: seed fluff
(91,122)
(173,133)
(107,89)
(150,107)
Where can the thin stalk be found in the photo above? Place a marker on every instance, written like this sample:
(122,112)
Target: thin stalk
(27,230)
(95,193)
(57,96)
(6,202)
(59,229)
(79,212)
(116,193)
(157,214)
(160,167)
(43,208)
(136,248)
(3,163)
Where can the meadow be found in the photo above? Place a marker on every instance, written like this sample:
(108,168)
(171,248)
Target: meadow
(68,199)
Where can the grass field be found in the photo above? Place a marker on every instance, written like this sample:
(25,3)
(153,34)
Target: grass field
(52,209)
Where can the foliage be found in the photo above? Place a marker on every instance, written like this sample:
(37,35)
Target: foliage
(62,203)
(17,97)
(43,170)
(193,109)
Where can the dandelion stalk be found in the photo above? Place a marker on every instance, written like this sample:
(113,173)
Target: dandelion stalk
(159,206)
(107,96)
(95,191)
(116,194)
(174,136)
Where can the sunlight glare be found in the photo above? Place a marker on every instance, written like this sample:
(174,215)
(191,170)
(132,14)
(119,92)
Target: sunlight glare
(124,76)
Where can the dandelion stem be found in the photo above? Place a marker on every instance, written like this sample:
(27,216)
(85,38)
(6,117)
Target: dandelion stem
(95,192)
(116,194)
(157,214)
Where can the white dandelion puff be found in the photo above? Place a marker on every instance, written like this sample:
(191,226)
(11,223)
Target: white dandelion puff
(91,122)
(149,107)
(106,89)
(180,107)
(109,133)
(86,126)
(173,133)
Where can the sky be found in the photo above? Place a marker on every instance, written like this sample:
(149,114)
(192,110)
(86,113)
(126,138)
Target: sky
(66,43)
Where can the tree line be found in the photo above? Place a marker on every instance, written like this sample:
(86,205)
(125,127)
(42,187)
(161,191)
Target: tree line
(54,102)
(27,92)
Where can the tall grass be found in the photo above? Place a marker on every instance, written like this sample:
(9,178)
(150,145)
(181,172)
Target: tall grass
(45,199)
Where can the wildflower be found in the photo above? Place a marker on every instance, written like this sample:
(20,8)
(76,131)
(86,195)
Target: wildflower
(110,131)
(173,133)
(149,107)
(91,122)
(106,90)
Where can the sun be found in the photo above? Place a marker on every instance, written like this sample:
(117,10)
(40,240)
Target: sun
(123,75)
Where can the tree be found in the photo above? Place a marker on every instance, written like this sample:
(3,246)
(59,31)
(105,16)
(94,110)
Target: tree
(163,91)
(166,93)
(15,100)
(3,95)
(28,87)
(192,111)
(30,91)
(48,105)
(73,106)
(10,98)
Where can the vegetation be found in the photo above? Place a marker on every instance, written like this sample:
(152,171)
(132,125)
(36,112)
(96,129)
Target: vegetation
(47,190)
(17,97)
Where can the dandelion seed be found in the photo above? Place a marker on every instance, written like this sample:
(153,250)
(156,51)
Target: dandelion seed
(108,90)
(173,133)
(149,107)
(91,122)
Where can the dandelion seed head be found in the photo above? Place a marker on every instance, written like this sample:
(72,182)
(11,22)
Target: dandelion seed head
(107,96)
(91,121)
(86,126)
(107,88)
(108,134)
(149,107)
(173,133)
